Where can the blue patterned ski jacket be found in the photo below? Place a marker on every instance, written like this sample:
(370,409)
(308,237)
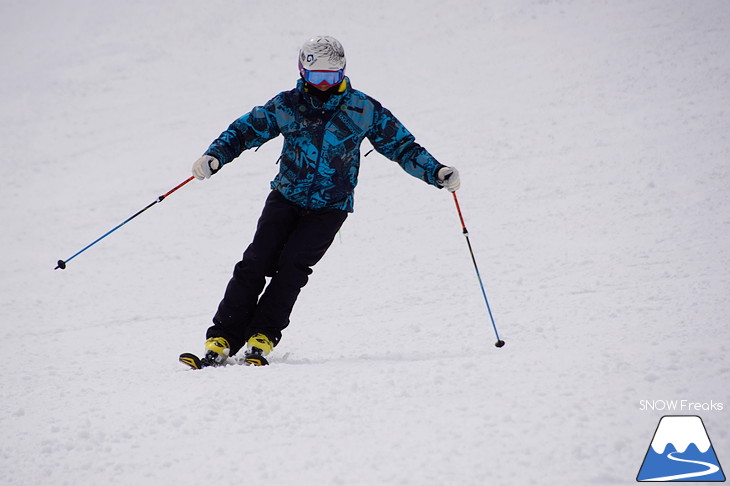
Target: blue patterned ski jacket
(320,159)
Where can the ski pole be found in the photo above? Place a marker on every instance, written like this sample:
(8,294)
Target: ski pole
(62,263)
(499,342)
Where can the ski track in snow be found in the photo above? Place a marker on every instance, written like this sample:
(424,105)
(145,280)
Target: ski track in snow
(592,139)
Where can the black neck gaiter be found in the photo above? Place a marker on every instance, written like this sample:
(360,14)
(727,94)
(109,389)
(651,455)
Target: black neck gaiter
(322,96)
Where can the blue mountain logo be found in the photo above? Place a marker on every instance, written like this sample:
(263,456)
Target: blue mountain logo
(681,451)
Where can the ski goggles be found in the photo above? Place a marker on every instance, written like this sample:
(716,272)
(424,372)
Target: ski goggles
(318,78)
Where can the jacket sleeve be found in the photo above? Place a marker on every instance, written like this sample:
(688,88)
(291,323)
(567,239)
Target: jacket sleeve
(251,130)
(393,140)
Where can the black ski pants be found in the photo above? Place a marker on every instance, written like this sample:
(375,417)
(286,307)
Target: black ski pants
(289,241)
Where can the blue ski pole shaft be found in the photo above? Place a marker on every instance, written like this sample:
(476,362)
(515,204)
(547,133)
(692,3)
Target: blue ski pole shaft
(499,342)
(62,263)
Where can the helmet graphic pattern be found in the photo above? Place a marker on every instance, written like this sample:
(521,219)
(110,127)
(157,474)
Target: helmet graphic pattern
(322,53)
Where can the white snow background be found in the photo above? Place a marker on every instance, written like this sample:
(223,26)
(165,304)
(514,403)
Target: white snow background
(593,142)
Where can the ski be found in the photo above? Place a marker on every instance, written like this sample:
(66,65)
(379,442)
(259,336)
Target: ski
(189,359)
(193,362)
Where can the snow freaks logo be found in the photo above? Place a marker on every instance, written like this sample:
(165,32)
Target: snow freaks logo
(681,451)
(681,406)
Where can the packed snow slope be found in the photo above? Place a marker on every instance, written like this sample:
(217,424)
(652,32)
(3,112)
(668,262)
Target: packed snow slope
(592,139)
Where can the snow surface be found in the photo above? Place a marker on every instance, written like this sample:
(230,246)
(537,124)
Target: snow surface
(593,142)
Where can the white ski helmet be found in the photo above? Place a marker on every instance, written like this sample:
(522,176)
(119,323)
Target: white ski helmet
(322,53)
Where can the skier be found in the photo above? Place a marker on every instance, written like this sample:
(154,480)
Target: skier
(323,121)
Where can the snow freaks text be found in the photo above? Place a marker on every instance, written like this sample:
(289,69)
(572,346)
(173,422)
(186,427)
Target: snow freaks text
(680,406)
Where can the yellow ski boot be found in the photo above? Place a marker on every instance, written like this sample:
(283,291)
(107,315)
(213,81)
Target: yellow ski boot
(257,348)
(216,351)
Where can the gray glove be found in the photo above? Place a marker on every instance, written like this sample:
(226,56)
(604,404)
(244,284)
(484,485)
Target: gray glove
(448,177)
(205,167)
